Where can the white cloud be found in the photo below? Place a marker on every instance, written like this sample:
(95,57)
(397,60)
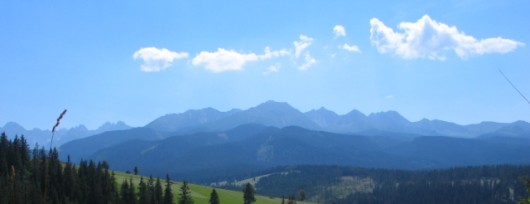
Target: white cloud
(273,54)
(229,60)
(351,48)
(309,61)
(272,69)
(301,45)
(157,59)
(339,31)
(427,38)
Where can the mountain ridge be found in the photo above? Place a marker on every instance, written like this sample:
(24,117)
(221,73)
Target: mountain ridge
(42,136)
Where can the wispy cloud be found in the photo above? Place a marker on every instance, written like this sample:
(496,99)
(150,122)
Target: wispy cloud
(350,48)
(302,44)
(224,60)
(272,69)
(427,38)
(339,31)
(308,62)
(300,48)
(157,59)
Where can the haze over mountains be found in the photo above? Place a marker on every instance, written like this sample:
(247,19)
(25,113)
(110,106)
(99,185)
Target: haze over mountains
(207,144)
(279,114)
(42,137)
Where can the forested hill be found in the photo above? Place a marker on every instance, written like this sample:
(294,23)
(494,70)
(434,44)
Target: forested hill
(349,185)
(37,176)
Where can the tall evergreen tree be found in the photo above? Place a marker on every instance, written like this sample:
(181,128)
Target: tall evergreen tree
(168,195)
(248,194)
(214,197)
(133,198)
(158,193)
(143,196)
(185,194)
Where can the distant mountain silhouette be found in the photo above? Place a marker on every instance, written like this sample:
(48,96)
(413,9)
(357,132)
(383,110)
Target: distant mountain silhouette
(188,119)
(43,137)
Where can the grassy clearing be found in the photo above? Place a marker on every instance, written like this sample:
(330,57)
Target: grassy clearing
(201,194)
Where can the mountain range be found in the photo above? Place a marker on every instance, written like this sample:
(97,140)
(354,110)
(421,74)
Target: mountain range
(208,145)
(280,114)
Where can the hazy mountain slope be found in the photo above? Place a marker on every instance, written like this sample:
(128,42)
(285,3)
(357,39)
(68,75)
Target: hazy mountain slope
(83,148)
(43,137)
(188,119)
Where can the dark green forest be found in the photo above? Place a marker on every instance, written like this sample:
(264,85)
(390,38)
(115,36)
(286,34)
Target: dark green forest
(335,184)
(37,176)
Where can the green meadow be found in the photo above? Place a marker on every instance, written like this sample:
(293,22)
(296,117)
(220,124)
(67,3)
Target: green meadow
(201,194)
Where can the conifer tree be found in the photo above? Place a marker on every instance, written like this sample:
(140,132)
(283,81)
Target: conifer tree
(248,194)
(168,195)
(142,192)
(133,198)
(214,197)
(185,194)
(158,193)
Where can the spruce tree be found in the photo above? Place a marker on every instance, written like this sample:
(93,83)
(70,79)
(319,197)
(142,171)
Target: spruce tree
(158,192)
(142,192)
(168,195)
(185,194)
(248,194)
(214,197)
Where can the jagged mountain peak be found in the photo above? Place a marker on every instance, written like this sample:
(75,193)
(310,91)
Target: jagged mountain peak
(270,105)
(13,126)
(322,111)
(388,115)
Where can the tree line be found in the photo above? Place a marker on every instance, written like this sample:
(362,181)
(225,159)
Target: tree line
(38,176)
(474,184)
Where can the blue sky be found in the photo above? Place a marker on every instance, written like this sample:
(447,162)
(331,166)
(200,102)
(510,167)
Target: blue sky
(137,60)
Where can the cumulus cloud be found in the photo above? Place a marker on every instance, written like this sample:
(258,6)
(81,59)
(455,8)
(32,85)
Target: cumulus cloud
(157,59)
(350,48)
(339,31)
(302,44)
(427,38)
(224,60)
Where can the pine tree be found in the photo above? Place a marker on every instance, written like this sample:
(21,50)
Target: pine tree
(214,197)
(132,196)
(185,194)
(157,192)
(248,194)
(124,192)
(168,195)
(142,192)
